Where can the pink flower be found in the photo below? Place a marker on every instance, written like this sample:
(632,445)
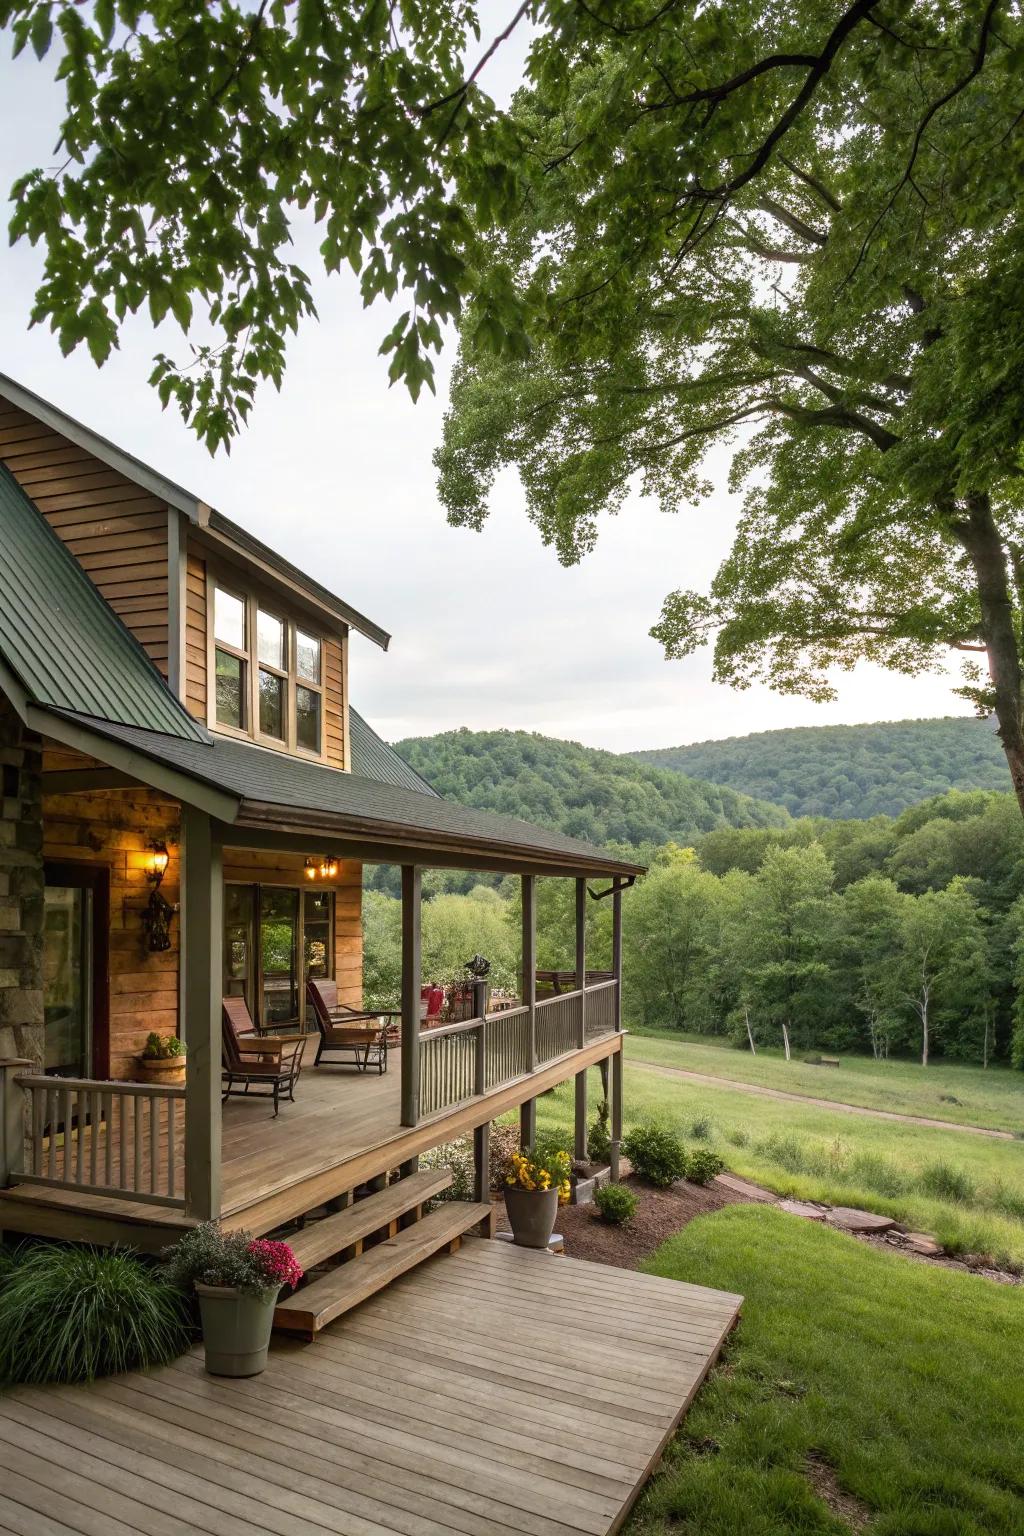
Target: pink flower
(277,1261)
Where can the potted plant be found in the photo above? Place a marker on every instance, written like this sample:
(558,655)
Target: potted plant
(162,1059)
(537,1183)
(238,1279)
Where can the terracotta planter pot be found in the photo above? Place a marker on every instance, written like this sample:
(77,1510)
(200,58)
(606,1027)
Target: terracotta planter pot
(236,1328)
(531,1214)
(161,1069)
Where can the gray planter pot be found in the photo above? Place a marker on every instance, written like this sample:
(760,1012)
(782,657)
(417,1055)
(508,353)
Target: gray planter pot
(236,1328)
(531,1214)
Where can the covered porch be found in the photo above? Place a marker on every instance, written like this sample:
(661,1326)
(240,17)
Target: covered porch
(90,1155)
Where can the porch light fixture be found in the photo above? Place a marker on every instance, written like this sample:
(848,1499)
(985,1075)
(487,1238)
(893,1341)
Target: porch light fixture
(324,868)
(156,918)
(156,864)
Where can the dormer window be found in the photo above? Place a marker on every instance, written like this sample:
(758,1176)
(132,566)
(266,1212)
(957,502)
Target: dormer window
(268,673)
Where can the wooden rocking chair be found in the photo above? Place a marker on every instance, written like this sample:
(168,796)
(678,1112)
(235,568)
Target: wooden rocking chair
(270,1062)
(361,1035)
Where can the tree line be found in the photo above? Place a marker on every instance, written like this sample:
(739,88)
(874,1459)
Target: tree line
(891,936)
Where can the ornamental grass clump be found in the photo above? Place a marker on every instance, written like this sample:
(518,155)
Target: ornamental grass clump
(236,1260)
(72,1314)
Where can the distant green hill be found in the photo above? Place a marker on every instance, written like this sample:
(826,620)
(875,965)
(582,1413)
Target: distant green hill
(848,771)
(585,793)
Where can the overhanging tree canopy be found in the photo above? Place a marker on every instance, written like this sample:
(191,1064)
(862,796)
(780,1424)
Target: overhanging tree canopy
(795,228)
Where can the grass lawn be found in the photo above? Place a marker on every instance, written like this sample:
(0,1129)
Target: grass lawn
(967,1190)
(992,1097)
(905,1380)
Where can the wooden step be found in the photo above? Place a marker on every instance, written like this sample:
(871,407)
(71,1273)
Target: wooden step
(316,1305)
(374,1213)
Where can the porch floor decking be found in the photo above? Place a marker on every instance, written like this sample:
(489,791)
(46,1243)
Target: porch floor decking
(492,1392)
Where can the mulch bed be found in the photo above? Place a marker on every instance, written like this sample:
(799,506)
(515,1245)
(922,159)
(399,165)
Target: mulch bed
(659,1215)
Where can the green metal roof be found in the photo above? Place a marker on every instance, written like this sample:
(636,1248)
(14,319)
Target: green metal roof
(374,759)
(62,641)
(309,794)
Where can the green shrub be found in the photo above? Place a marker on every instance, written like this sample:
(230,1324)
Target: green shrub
(457,1156)
(599,1143)
(739,1137)
(702,1128)
(702,1165)
(947,1182)
(71,1314)
(656,1153)
(616,1203)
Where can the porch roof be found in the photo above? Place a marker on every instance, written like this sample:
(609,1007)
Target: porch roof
(275,794)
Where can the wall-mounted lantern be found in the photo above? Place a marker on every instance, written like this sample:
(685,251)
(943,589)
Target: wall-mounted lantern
(156,918)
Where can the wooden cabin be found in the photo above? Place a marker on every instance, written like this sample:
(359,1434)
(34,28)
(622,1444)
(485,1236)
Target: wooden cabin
(188,803)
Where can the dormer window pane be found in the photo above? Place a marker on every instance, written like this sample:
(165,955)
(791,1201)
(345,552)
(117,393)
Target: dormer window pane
(270,639)
(229,618)
(271,705)
(307,719)
(230,690)
(307,656)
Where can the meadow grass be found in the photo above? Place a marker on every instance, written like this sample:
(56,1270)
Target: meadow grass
(903,1379)
(967,1190)
(992,1096)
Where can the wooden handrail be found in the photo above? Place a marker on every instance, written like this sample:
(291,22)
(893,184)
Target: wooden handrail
(103,1085)
(461,1027)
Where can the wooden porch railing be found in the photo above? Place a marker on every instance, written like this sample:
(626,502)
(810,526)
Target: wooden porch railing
(602,1015)
(559,1025)
(460,1061)
(121,1140)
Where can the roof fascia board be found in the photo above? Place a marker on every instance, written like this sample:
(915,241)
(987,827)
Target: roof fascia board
(14,689)
(125,464)
(144,770)
(231,539)
(275,829)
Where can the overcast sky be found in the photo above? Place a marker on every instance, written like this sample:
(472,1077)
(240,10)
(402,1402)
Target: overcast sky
(335,473)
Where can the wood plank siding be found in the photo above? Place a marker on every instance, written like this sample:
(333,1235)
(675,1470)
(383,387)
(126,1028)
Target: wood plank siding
(114,828)
(195,636)
(115,529)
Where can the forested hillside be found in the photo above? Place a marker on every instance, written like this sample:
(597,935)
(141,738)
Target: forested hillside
(848,770)
(585,793)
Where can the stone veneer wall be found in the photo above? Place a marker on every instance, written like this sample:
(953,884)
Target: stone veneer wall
(21,889)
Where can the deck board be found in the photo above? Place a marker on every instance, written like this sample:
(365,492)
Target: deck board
(491,1392)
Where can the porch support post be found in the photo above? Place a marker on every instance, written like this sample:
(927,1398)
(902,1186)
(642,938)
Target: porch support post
(530,964)
(202,963)
(581,958)
(482,1162)
(616,1113)
(411,983)
(617,955)
(12,1116)
(580,1147)
(528,1123)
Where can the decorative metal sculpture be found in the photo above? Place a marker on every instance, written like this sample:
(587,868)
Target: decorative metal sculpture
(479,967)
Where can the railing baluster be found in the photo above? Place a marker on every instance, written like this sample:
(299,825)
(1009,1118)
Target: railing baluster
(80,1132)
(108,1137)
(154,1145)
(51,1116)
(38,1113)
(138,1119)
(94,1150)
(171,1149)
(122,1130)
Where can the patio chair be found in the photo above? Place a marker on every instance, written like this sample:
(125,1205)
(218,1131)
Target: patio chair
(271,1063)
(350,1031)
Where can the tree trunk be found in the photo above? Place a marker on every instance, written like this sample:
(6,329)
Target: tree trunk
(750,1033)
(980,537)
(785,1039)
(923,1010)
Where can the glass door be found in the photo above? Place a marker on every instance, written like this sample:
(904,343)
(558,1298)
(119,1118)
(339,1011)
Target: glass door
(279,954)
(239,946)
(76,908)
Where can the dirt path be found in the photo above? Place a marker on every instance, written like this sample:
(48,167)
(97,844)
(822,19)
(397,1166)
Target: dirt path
(803,1098)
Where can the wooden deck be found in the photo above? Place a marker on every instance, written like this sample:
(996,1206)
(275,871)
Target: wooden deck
(344,1128)
(494,1392)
